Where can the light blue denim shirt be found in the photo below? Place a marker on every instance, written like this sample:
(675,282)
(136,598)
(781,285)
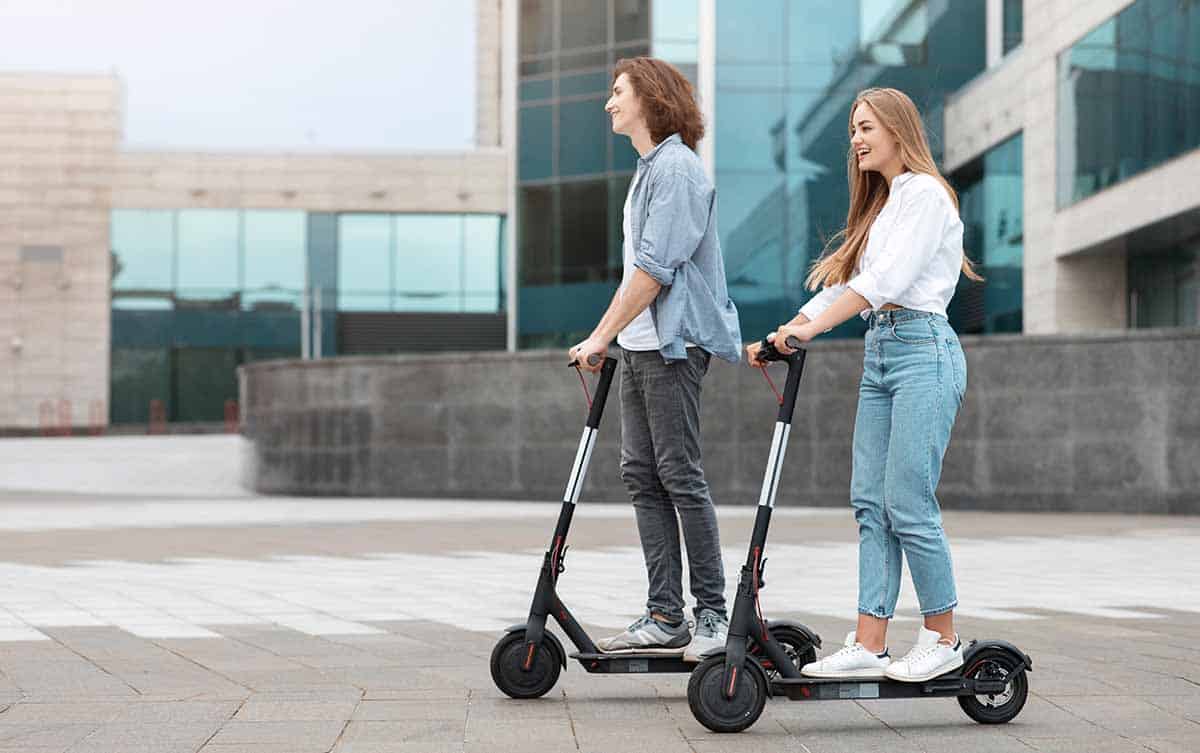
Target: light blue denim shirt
(673,223)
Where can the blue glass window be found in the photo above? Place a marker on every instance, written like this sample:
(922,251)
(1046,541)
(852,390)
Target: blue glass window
(1129,97)
(143,248)
(1014,24)
(208,255)
(365,277)
(275,255)
(991,204)
(1164,287)
(429,264)
(583,129)
(536,143)
(482,263)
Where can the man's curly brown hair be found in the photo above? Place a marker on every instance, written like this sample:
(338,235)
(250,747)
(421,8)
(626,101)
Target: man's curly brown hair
(667,99)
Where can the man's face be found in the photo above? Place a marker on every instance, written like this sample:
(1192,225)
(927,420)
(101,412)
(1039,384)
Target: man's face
(623,106)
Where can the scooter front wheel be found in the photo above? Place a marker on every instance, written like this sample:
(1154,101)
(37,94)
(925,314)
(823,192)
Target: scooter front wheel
(795,644)
(508,660)
(706,696)
(1000,707)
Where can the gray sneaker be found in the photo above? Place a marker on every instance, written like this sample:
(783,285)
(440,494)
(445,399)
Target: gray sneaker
(711,631)
(650,635)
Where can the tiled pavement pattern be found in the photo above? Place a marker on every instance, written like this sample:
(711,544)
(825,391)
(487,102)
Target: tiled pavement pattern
(343,625)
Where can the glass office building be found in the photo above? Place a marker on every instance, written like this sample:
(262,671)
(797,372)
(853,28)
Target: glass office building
(572,171)
(1129,96)
(785,76)
(991,199)
(1129,100)
(197,292)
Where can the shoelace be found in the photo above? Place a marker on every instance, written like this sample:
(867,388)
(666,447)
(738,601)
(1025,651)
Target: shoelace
(919,655)
(639,623)
(847,651)
(709,622)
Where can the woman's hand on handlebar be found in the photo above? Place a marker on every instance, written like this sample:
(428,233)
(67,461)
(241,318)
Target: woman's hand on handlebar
(802,332)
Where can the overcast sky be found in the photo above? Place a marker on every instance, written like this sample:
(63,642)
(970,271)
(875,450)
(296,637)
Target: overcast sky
(363,75)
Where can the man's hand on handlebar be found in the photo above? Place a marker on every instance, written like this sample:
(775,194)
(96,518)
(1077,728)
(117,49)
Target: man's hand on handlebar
(765,351)
(755,355)
(589,354)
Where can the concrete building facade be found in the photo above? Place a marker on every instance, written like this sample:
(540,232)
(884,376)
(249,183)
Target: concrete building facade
(59,137)
(1074,234)
(67,183)
(1077,256)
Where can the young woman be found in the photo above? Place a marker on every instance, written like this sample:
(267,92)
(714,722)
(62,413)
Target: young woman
(671,314)
(898,262)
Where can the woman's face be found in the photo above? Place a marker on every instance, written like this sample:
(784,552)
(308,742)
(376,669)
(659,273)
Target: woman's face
(623,106)
(874,146)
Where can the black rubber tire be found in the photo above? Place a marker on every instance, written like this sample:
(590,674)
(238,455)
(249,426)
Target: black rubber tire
(795,643)
(709,704)
(507,659)
(1013,699)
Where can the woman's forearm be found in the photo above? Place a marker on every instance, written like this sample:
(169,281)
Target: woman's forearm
(848,305)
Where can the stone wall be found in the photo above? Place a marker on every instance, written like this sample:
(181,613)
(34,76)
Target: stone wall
(1107,422)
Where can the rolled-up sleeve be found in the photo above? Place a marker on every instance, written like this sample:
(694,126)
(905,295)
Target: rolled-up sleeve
(676,218)
(911,243)
(821,301)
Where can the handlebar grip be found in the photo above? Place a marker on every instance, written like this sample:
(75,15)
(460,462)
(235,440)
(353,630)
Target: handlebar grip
(592,360)
(768,352)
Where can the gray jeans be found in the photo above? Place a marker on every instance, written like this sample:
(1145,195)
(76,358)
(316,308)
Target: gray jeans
(661,468)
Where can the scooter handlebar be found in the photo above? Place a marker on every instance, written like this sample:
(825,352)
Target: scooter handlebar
(768,352)
(592,360)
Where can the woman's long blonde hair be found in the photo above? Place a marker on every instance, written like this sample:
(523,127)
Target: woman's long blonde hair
(898,115)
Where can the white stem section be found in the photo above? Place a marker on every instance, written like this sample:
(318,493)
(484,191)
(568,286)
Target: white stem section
(774,464)
(305,327)
(583,456)
(706,75)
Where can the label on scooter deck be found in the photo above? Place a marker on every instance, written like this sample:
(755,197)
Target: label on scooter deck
(632,663)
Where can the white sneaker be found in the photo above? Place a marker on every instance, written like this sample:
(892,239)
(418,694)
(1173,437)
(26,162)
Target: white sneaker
(928,659)
(852,661)
(711,632)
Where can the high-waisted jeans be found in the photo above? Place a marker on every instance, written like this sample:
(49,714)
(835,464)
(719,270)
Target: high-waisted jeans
(914,379)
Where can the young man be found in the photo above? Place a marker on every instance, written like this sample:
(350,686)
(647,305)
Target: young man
(670,315)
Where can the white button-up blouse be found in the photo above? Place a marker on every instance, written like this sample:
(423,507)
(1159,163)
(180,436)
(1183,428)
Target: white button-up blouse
(914,251)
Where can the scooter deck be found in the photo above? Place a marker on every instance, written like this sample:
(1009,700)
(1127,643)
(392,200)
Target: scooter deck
(832,689)
(633,662)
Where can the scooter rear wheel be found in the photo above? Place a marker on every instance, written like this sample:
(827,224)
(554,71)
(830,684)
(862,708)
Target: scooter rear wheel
(1001,707)
(508,658)
(706,696)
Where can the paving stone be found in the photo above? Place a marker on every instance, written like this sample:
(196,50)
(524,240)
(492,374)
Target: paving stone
(317,734)
(423,684)
(265,708)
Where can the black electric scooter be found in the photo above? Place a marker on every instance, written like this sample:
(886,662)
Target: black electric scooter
(728,690)
(527,660)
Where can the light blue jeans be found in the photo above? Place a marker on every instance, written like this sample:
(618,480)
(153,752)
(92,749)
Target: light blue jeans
(914,379)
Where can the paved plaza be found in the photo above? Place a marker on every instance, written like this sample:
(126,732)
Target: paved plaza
(264,625)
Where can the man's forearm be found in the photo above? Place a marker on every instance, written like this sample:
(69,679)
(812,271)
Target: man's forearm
(609,312)
(640,293)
